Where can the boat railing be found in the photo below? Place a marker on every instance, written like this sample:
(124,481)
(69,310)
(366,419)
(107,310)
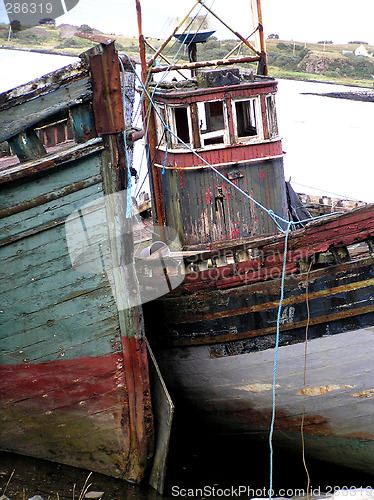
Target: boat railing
(52,119)
(334,240)
(337,240)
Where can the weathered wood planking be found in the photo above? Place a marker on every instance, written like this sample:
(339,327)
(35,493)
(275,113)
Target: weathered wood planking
(26,114)
(73,367)
(49,81)
(70,319)
(320,236)
(242,400)
(37,284)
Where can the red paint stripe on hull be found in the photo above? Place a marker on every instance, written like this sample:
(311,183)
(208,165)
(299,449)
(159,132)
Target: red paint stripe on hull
(64,381)
(90,412)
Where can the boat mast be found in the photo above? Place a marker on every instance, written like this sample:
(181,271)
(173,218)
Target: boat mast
(260,38)
(149,122)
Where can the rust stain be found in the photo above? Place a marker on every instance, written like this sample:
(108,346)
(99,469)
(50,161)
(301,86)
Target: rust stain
(107,96)
(208,196)
(317,425)
(317,391)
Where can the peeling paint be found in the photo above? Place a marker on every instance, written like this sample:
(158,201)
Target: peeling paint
(317,391)
(364,394)
(257,387)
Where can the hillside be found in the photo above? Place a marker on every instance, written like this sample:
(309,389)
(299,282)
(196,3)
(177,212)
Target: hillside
(319,61)
(60,39)
(287,59)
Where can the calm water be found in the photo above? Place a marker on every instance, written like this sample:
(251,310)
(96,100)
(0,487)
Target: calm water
(328,141)
(328,147)
(19,67)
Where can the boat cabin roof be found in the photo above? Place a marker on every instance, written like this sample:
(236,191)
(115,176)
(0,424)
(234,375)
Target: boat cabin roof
(212,82)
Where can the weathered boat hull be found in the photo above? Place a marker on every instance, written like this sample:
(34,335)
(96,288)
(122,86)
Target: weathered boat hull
(72,411)
(216,161)
(217,337)
(244,319)
(74,382)
(233,394)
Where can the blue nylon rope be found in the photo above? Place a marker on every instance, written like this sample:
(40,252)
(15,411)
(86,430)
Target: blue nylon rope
(166,154)
(276,358)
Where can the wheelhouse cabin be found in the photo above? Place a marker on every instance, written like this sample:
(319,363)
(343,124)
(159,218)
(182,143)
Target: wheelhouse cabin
(223,120)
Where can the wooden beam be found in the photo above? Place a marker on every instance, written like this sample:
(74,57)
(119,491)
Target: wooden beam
(24,114)
(51,160)
(163,58)
(152,60)
(248,44)
(205,64)
(27,146)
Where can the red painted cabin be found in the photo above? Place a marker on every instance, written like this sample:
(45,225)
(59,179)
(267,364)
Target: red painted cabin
(228,118)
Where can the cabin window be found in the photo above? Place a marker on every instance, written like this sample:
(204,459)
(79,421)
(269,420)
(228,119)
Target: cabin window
(180,120)
(161,136)
(247,121)
(271,116)
(211,122)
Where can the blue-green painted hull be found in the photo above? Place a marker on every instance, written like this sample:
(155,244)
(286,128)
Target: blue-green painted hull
(74,385)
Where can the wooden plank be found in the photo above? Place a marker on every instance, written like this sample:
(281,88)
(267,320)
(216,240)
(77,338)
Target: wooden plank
(50,161)
(71,312)
(107,98)
(83,123)
(30,112)
(40,218)
(104,325)
(66,175)
(27,146)
(60,193)
(43,84)
(163,409)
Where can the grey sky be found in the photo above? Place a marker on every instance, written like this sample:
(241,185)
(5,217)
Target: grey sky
(300,20)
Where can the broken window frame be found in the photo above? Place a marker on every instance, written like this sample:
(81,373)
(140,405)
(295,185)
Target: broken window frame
(271,114)
(210,135)
(161,137)
(171,114)
(255,104)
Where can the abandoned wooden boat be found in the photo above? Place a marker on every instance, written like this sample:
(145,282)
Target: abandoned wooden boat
(266,288)
(74,374)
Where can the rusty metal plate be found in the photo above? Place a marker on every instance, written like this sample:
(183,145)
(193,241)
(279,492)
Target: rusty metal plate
(107,94)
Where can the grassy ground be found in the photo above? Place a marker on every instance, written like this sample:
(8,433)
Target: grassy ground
(294,75)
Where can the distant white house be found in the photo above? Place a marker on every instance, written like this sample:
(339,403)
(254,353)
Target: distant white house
(361,51)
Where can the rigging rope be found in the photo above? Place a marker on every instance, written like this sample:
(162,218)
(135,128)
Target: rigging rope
(180,48)
(304,379)
(276,357)
(166,153)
